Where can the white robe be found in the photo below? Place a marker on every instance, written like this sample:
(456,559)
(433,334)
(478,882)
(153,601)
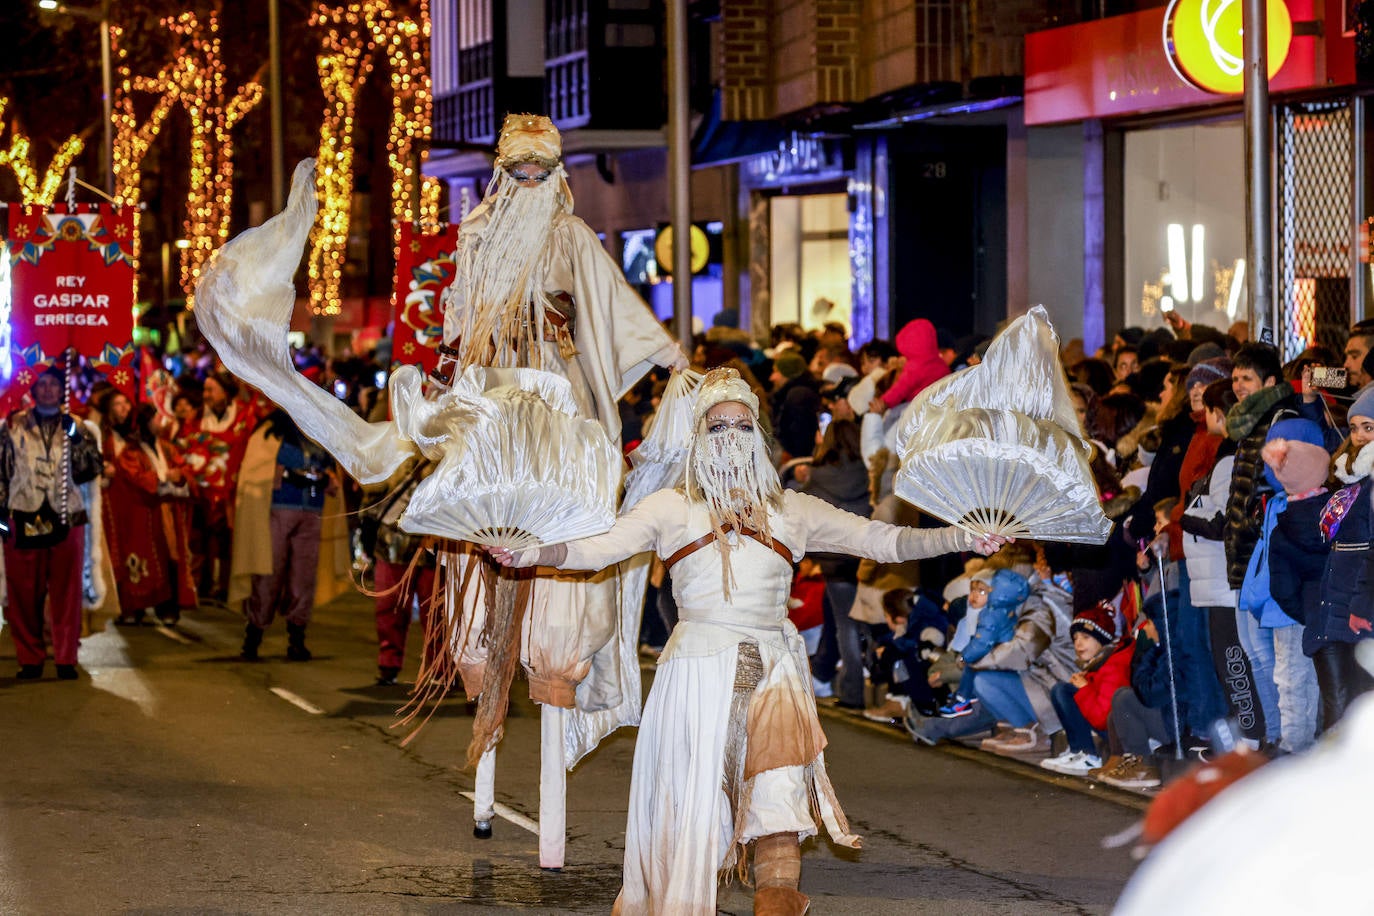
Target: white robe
(680,822)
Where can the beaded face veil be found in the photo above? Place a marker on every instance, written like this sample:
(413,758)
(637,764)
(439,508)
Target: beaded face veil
(503,255)
(729,467)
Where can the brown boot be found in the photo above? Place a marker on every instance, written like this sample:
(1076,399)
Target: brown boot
(780,901)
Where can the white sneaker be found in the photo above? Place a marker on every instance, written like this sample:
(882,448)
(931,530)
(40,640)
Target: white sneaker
(1072,763)
(822,688)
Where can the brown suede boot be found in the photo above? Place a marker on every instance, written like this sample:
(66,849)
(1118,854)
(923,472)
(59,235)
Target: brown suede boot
(777,871)
(780,901)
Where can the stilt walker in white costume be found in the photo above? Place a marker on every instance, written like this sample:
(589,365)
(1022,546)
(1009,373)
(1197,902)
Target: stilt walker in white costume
(730,751)
(535,289)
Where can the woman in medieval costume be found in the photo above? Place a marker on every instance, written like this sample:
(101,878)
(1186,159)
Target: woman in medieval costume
(730,748)
(146,515)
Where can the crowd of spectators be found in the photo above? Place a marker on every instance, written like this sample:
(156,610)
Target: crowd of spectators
(203,493)
(1225,606)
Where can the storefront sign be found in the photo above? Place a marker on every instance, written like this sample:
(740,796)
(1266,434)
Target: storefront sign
(797,159)
(1205,43)
(1118,67)
(424,269)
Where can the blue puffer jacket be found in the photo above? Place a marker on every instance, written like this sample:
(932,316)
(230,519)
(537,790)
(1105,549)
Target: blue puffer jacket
(997,621)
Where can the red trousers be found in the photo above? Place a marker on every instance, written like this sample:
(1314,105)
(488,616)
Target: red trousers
(393,609)
(51,575)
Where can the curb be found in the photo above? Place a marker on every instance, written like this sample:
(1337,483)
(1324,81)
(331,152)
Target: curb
(1126,798)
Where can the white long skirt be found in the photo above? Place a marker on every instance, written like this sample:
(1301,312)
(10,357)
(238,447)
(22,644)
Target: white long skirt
(680,822)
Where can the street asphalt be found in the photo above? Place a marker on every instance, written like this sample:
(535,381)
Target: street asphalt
(175,778)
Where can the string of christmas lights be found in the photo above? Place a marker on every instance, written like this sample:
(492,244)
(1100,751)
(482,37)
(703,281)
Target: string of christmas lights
(196,80)
(353,37)
(132,137)
(34,189)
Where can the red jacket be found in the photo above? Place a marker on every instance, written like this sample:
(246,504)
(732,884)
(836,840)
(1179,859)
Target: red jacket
(1094,698)
(918,342)
(1198,462)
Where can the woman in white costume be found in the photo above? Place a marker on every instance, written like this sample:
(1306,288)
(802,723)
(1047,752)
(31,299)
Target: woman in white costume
(730,748)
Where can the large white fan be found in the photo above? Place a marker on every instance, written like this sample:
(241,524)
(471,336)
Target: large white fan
(661,458)
(997,448)
(520,468)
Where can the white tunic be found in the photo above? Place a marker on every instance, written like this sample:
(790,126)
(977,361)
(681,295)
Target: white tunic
(681,823)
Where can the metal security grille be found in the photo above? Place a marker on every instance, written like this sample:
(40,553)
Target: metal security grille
(1315,207)
(939,41)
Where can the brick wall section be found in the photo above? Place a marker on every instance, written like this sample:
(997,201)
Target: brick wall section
(838,46)
(792,49)
(781,56)
(746,82)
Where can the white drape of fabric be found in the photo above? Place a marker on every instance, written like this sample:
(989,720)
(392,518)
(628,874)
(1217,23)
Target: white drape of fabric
(998,448)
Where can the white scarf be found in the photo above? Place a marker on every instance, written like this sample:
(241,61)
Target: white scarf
(1350,471)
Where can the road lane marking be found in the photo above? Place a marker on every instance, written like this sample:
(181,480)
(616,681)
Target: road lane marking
(174,636)
(298,701)
(515,817)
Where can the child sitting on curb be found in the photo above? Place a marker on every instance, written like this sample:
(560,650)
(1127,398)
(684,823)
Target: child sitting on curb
(917,634)
(1083,703)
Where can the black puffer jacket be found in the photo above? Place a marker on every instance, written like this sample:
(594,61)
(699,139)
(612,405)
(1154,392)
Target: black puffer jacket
(1247,425)
(1297,562)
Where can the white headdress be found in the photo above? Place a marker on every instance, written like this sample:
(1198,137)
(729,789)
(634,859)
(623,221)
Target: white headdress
(731,470)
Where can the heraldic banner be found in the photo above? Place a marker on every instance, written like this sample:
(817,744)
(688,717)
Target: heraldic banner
(424,269)
(71,280)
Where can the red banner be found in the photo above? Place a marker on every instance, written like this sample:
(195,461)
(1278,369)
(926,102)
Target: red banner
(71,284)
(424,270)
(71,279)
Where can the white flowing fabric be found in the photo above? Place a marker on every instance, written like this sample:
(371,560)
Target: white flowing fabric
(1292,837)
(680,820)
(997,447)
(660,460)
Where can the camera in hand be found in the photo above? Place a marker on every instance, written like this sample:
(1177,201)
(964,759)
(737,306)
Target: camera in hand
(1328,377)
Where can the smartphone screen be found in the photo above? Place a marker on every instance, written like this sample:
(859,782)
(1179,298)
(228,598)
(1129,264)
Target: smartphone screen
(825,421)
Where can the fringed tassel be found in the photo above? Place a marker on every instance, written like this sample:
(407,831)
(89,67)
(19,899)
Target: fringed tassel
(444,642)
(506,607)
(748,673)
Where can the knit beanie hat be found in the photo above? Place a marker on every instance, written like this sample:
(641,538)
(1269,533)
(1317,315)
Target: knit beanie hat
(1098,621)
(1208,371)
(1205,351)
(789,363)
(1364,405)
(1296,454)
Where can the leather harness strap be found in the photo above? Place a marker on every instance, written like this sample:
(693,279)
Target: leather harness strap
(686,550)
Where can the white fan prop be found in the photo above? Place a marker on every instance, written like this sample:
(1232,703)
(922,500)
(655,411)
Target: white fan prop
(660,460)
(520,468)
(997,448)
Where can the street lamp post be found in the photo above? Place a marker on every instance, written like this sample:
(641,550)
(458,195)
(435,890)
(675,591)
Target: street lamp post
(106,75)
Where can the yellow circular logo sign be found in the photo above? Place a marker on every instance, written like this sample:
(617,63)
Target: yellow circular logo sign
(1206,46)
(663,249)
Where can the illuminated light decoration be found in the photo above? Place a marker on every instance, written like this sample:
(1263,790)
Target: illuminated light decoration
(1237,284)
(133,137)
(34,189)
(1195,286)
(1178,262)
(353,36)
(1205,46)
(196,81)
